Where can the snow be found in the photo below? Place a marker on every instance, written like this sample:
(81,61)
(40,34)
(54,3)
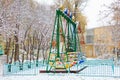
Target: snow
(102,72)
(61,76)
(55,77)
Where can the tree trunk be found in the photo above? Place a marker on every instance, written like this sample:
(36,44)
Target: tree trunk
(16,57)
(28,49)
(43,53)
(38,51)
(7,49)
(29,66)
(22,62)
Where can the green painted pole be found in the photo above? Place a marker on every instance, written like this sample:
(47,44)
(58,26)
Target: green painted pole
(68,44)
(51,44)
(75,37)
(58,37)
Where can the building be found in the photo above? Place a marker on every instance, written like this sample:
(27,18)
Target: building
(99,42)
(89,50)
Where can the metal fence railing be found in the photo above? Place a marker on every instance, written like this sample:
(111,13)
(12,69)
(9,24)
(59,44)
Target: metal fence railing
(95,68)
(27,68)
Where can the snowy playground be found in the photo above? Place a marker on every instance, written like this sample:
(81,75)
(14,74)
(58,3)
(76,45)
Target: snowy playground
(65,61)
(97,71)
(37,45)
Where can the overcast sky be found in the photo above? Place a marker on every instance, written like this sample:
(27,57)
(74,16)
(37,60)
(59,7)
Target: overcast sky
(91,11)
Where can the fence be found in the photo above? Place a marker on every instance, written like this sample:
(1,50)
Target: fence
(27,68)
(95,68)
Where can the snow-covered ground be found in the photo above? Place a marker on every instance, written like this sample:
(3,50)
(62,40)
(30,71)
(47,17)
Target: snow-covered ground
(61,76)
(87,74)
(56,77)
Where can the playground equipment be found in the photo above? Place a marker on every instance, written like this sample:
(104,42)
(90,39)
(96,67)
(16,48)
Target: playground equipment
(65,45)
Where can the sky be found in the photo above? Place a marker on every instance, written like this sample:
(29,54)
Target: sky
(91,11)
(45,1)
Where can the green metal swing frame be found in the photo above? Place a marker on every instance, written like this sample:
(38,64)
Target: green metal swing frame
(71,40)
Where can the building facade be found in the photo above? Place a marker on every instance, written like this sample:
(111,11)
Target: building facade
(99,42)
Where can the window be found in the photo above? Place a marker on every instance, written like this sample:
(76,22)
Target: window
(89,39)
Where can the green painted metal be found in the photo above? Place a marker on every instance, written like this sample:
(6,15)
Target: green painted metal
(69,43)
(66,17)
(58,36)
(51,44)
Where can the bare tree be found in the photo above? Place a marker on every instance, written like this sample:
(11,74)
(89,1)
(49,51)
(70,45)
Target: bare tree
(112,15)
(26,27)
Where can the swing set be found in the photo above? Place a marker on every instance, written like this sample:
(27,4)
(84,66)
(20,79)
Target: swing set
(65,45)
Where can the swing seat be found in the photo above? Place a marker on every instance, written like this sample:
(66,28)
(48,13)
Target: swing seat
(81,61)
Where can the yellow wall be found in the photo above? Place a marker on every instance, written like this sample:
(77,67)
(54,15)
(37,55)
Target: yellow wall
(102,35)
(102,42)
(89,51)
(103,39)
